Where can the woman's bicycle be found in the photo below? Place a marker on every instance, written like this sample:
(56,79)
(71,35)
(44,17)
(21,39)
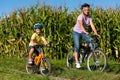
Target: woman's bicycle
(40,63)
(96,58)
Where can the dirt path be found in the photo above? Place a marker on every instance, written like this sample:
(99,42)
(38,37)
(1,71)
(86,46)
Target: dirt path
(51,77)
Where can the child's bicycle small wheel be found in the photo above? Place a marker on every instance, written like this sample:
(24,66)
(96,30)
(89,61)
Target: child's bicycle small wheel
(45,67)
(30,68)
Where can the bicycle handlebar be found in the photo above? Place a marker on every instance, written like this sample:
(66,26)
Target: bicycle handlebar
(93,36)
(43,45)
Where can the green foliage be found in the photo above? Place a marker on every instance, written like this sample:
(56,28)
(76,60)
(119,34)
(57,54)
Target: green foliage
(17,28)
(14,68)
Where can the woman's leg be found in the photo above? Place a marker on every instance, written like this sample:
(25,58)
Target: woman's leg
(76,41)
(87,39)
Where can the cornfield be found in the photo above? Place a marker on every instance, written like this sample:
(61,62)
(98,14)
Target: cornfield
(17,28)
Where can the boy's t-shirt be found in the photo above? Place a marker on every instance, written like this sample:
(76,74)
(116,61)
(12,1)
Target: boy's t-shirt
(37,39)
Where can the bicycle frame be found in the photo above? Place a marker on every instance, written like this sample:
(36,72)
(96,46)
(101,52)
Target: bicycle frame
(91,47)
(38,59)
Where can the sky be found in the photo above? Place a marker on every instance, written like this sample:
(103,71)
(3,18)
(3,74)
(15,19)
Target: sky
(8,6)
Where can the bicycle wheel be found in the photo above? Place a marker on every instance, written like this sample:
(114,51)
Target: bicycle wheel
(96,61)
(70,61)
(45,67)
(30,68)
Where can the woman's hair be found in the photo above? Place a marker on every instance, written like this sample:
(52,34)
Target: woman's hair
(84,5)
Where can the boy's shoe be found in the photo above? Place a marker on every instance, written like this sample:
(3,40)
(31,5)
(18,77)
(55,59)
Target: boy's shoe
(29,61)
(42,68)
(29,65)
(77,65)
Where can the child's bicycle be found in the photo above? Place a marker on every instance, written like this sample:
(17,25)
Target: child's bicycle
(40,64)
(96,58)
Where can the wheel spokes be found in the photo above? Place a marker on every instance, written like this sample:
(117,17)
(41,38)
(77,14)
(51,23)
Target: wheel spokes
(97,61)
(45,67)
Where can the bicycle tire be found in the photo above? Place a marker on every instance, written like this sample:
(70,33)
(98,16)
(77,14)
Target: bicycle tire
(97,61)
(45,67)
(70,61)
(30,68)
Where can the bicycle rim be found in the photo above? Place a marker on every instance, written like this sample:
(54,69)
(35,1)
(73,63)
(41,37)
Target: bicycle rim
(30,68)
(45,67)
(97,61)
(70,61)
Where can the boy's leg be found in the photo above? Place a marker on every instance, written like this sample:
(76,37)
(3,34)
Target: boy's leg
(30,54)
(38,50)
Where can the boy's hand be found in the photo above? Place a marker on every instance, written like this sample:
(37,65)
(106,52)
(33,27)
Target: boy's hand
(47,45)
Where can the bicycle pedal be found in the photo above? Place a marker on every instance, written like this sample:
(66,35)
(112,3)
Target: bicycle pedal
(44,59)
(29,65)
(38,72)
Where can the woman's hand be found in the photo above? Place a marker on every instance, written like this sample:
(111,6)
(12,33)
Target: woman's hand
(85,32)
(98,35)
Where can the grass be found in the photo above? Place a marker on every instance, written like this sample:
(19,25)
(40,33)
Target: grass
(14,69)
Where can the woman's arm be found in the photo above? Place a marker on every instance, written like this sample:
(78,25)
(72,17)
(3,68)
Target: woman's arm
(82,26)
(93,27)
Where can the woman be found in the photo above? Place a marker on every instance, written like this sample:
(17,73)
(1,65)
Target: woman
(79,30)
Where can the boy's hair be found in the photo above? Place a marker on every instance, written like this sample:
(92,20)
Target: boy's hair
(84,5)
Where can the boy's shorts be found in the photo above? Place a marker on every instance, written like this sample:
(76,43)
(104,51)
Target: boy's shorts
(37,50)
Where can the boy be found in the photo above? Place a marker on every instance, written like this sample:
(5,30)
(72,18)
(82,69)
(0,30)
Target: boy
(36,39)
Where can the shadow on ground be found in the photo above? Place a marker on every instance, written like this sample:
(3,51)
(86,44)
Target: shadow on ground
(56,70)
(113,68)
